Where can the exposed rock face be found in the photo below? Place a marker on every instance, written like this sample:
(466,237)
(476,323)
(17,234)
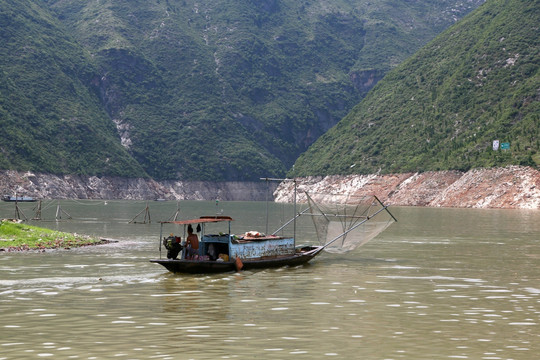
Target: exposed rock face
(509,187)
(363,81)
(47,186)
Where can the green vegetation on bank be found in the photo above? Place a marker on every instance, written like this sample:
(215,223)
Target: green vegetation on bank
(445,106)
(18,236)
(193,90)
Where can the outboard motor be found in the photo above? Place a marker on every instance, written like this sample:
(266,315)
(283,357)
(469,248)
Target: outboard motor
(173,244)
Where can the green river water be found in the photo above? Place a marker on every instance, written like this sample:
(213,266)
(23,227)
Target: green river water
(439,284)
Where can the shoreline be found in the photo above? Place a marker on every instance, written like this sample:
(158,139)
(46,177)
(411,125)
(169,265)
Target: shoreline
(14,249)
(511,187)
(17,236)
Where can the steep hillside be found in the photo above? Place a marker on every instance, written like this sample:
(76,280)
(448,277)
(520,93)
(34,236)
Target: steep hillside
(443,108)
(236,89)
(185,89)
(50,116)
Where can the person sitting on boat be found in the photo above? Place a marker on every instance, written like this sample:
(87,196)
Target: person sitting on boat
(192,243)
(173,244)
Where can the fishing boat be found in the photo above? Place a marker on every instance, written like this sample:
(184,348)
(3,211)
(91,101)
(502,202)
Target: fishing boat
(223,251)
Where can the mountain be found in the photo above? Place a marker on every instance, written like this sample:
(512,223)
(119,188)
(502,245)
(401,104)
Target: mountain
(444,107)
(50,115)
(193,90)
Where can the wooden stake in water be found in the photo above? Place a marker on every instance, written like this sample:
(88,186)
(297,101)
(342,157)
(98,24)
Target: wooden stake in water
(146,211)
(37,216)
(59,212)
(19,212)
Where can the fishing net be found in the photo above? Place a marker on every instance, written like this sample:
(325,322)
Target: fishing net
(345,225)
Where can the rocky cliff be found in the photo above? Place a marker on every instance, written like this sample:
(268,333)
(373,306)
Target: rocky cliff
(508,187)
(47,186)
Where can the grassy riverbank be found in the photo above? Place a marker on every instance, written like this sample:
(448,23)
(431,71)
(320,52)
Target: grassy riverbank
(18,236)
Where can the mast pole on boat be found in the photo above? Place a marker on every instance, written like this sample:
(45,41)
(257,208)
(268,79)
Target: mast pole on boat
(267,211)
(160,237)
(267,179)
(295,213)
(294,224)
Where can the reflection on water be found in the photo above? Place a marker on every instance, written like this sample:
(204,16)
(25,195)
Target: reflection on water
(439,284)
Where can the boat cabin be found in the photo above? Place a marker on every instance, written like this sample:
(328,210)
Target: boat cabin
(224,246)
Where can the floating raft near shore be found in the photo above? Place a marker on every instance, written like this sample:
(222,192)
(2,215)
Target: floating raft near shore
(10,198)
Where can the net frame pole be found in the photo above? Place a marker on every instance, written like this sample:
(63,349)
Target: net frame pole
(355,226)
(385,207)
(317,206)
(290,221)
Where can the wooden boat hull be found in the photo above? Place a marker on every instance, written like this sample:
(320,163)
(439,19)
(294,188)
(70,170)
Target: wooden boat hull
(203,267)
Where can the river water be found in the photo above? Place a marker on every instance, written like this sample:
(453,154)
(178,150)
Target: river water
(439,284)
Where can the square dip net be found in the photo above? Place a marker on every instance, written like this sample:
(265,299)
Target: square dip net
(347,224)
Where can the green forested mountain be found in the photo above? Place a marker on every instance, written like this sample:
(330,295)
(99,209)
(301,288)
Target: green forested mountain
(50,117)
(185,89)
(443,107)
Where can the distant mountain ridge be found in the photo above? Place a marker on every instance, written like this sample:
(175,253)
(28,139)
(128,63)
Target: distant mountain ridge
(194,90)
(444,107)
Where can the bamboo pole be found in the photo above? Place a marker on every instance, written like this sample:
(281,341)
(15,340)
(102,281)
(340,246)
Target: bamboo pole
(146,211)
